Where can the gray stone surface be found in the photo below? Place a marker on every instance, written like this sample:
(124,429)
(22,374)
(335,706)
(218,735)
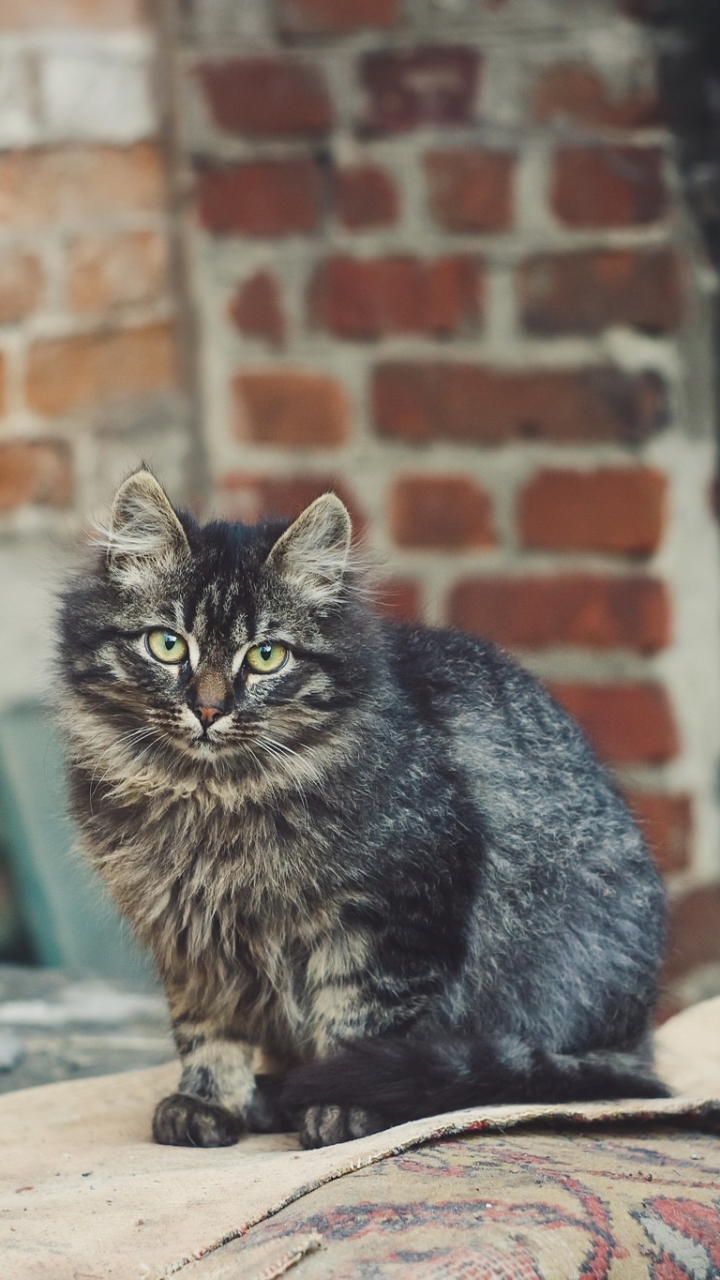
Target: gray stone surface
(56,1027)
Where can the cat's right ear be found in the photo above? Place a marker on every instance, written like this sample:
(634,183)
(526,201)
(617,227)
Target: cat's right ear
(313,552)
(144,533)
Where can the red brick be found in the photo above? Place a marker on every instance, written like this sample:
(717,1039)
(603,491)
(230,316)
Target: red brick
(373,297)
(619,510)
(609,186)
(400,599)
(70,373)
(22,284)
(36,472)
(248,497)
(267,198)
(60,184)
(115,270)
(587,292)
(290,408)
(693,933)
(471,190)
(257,309)
(407,88)
(366,196)
(470,403)
(266,97)
(627,723)
(576,94)
(440,512)
(336,17)
(666,823)
(572,609)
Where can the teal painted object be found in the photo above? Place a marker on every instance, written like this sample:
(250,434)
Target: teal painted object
(71,922)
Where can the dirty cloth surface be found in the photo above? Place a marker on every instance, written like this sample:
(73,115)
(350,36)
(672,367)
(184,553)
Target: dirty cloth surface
(475,1194)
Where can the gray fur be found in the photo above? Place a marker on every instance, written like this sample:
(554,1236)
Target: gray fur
(397,835)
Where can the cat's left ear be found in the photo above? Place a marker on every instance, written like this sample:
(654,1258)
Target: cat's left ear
(313,552)
(144,531)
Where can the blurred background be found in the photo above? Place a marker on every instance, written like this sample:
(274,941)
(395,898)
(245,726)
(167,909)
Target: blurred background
(457,260)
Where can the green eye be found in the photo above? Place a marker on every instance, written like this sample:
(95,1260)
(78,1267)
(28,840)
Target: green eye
(264,659)
(166,646)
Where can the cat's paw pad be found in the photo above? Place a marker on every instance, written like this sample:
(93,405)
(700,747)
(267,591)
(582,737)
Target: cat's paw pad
(184,1121)
(323,1126)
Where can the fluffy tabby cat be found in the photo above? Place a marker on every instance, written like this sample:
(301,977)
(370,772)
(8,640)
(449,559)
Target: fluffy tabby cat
(379,857)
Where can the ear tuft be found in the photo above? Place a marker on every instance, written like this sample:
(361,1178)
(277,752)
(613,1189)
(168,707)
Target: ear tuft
(313,552)
(144,532)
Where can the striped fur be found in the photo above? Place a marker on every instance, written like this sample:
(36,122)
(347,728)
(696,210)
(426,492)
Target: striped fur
(396,840)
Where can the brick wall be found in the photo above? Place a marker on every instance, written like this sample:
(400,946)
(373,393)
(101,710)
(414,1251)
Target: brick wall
(439,258)
(442,263)
(89,371)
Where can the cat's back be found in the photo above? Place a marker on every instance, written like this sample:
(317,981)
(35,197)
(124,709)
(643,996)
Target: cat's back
(516,753)
(457,679)
(556,847)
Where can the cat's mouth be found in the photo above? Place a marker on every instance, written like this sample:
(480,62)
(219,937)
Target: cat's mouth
(217,741)
(227,736)
(209,742)
(205,736)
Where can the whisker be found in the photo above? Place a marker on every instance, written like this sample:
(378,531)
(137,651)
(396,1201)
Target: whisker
(280,746)
(270,745)
(132,737)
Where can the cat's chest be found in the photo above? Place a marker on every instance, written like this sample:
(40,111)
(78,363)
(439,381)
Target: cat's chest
(251,970)
(240,906)
(212,875)
(210,840)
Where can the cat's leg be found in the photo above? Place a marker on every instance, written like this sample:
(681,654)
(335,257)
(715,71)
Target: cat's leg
(218,1097)
(350,1001)
(216,1092)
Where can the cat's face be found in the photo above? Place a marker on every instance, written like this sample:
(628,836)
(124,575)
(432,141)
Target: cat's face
(219,643)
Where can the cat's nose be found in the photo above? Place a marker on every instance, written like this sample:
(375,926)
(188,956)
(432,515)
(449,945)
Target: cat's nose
(210,698)
(208,715)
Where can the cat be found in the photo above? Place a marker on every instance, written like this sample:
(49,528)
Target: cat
(381,872)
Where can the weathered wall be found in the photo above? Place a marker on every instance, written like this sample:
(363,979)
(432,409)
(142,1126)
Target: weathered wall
(89,371)
(439,258)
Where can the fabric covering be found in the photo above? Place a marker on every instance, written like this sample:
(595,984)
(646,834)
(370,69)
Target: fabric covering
(533,1193)
(527,1206)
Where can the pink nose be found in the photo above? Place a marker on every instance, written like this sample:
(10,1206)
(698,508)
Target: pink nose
(208,715)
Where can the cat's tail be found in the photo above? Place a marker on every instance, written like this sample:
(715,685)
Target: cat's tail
(411,1076)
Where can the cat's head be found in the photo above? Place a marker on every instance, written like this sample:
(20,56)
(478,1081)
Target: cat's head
(215,643)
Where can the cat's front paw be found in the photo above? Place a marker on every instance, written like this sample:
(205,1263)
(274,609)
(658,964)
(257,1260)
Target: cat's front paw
(323,1126)
(184,1121)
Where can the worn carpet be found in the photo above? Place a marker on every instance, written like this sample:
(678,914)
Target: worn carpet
(494,1193)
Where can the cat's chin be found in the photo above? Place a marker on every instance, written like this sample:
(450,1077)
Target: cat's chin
(207,748)
(211,749)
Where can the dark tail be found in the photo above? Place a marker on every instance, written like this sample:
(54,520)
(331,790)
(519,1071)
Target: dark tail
(408,1077)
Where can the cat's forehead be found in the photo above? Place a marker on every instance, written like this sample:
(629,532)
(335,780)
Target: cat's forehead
(223,594)
(228,595)
(219,609)
(220,590)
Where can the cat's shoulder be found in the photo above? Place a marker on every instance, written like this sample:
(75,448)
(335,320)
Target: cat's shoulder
(442,661)
(433,644)
(463,683)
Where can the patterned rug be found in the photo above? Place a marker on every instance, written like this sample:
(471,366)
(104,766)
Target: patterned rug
(534,1205)
(627,1190)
